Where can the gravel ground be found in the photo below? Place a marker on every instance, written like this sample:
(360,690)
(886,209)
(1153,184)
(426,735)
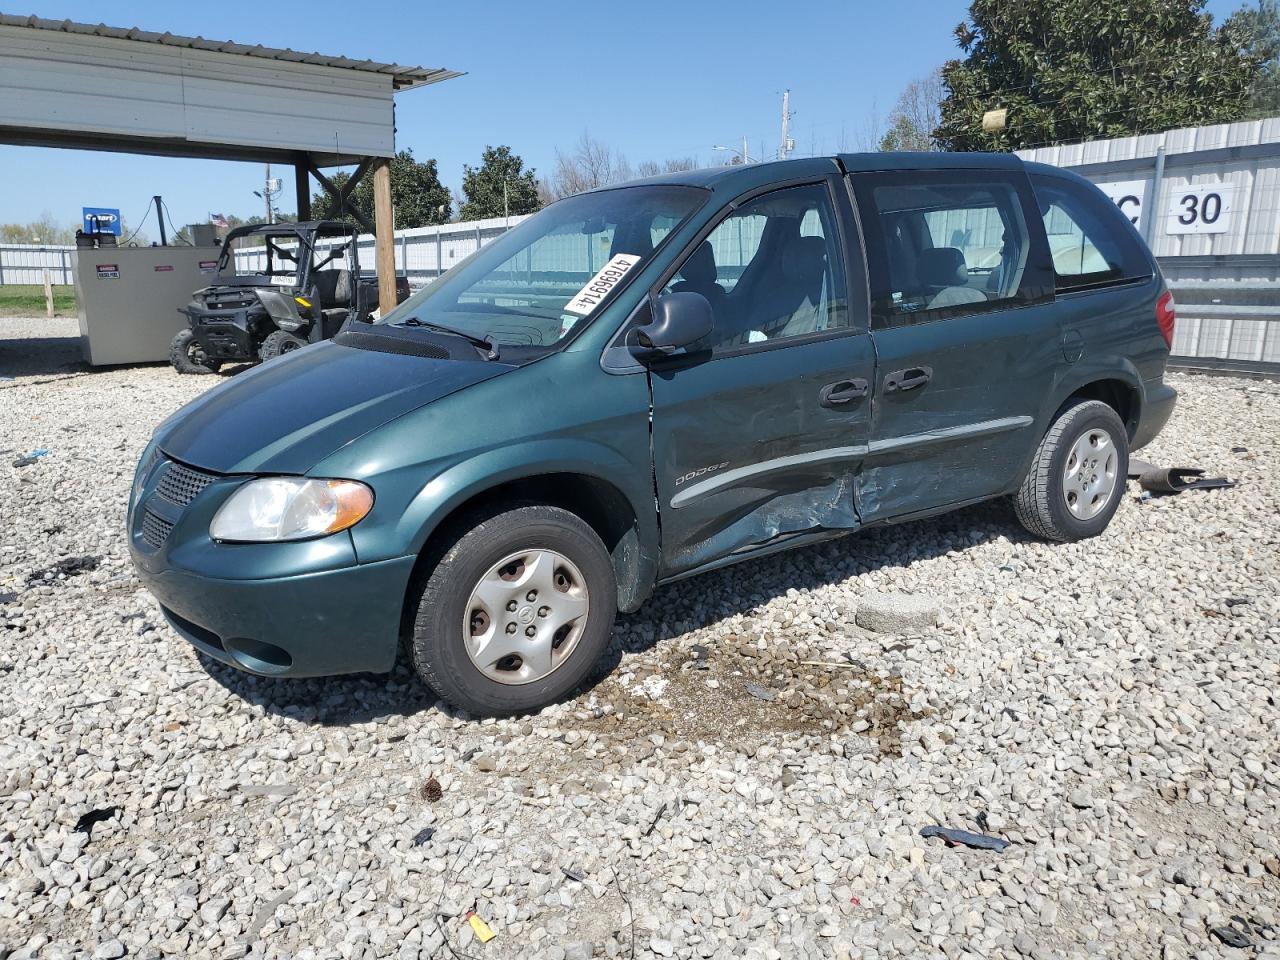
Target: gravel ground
(748,778)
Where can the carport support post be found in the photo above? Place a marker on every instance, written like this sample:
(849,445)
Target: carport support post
(384,236)
(302,189)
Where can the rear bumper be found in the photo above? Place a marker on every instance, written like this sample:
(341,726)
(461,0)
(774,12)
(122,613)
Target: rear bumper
(336,621)
(1157,408)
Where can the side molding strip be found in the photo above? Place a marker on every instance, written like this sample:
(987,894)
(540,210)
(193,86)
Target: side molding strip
(731,477)
(876,448)
(960,432)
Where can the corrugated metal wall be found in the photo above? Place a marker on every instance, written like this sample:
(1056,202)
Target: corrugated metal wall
(1207,199)
(70,81)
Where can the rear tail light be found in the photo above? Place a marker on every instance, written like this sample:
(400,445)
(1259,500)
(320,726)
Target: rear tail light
(1165,316)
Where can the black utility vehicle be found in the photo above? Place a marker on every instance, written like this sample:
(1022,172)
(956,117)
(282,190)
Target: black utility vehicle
(303,287)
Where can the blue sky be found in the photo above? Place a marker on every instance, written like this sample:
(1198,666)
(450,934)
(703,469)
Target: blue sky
(655,80)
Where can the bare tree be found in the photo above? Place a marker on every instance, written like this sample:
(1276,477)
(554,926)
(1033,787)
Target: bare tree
(916,115)
(651,168)
(592,164)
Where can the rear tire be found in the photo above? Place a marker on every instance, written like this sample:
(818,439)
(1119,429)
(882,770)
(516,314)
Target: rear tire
(187,356)
(559,627)
(1078,475)
(278,343)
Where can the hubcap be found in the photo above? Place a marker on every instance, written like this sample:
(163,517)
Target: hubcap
(525,616)
(1089,478)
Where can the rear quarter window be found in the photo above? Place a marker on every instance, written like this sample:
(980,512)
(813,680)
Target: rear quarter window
(1091,243)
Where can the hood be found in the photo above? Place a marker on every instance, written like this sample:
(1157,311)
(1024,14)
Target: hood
(289,413)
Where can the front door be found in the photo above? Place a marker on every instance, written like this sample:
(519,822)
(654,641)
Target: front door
(758,431)
(966,337)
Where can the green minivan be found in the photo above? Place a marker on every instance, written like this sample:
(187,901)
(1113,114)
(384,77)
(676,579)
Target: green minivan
(645,382)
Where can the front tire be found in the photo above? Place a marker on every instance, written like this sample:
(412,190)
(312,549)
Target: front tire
(278,343)
(188,356)
(1078,475)
(516,611)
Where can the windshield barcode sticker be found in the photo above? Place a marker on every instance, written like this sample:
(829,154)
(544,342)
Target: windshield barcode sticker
(598,287)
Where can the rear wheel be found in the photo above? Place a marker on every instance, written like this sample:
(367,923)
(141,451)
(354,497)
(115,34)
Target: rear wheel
(1077,478)
(516,612)
(187,355)
(278,343)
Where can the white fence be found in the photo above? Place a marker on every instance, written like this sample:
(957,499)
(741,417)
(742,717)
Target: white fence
(1207,200)
(27,263)
(422,253)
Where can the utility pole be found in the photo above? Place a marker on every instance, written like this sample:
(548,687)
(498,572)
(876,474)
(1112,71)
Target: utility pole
(266,187)
(744,149)
(784,148)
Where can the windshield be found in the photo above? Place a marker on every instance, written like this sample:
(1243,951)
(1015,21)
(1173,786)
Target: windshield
(537,282)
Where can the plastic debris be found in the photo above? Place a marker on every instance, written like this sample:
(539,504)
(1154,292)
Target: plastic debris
(422,836)
(1239,449)
(431,791)
(760,691)
(484,933)
(98,815)
(574,874)
(979,841)
(1231,936)
(700,654)
(32,457)
(1164,480)
(7,596)
(855,901)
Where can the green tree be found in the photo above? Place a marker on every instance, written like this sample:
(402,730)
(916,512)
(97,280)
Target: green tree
(1258,30)
(482,186)
(1069,70)
(418,198)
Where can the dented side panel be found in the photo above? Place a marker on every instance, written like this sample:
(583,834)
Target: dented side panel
(745,453)
(969,431)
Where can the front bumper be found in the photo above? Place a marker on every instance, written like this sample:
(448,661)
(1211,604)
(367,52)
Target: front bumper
(335,621)
(297,609)
(1157,408)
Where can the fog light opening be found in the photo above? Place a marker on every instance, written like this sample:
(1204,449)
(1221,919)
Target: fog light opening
(258,656)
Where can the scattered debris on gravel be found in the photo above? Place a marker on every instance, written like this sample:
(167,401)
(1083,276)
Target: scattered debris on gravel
(747,776)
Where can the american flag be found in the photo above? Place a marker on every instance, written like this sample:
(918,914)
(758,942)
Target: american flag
(218,220)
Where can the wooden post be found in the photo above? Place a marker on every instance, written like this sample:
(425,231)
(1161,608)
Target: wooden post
(384,243)
(302,188)
(48,295)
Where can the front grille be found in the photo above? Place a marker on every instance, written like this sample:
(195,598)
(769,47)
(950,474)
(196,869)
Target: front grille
(230,301)
(180,484)
(155,530)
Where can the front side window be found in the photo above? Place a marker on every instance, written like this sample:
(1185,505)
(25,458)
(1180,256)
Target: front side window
(538,282)
(946,245)
(1090,244)
(771,271)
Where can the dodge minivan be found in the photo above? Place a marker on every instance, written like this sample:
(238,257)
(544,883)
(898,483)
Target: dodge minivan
(646,382)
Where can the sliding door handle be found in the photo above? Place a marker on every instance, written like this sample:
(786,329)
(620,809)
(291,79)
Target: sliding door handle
(908,379)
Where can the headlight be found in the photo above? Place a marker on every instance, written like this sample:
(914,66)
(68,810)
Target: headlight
(290,508)
(140,474)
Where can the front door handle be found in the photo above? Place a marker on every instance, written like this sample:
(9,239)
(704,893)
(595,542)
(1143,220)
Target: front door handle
(908,379)
(842,392)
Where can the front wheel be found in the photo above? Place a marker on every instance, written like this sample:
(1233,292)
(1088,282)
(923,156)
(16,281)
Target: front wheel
(279,342)
(187,355)
(1077,478)
(516,612)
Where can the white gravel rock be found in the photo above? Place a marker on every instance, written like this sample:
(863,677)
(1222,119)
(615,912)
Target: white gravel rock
(896,612)
(1108,706)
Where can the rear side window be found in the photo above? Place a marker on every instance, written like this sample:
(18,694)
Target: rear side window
(947,244)
(1090,244)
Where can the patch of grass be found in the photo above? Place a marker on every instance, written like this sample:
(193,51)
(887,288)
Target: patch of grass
(29,298)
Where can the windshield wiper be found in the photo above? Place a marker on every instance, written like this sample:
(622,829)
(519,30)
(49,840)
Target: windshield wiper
(485,343)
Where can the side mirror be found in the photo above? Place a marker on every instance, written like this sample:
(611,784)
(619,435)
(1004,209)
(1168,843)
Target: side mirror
(680,319)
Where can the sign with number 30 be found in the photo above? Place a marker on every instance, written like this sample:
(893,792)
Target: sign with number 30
(1199,208)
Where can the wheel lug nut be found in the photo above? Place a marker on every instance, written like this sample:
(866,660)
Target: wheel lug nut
(511,628)
(531,596)
(530,631)
(511,606)
(543,611)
